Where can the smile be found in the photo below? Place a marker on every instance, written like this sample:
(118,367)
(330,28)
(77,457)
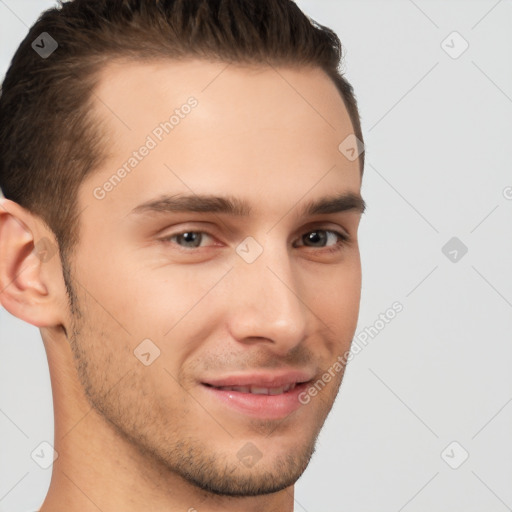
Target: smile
(258,390)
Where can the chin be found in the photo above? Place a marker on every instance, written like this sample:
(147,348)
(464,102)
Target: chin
(260,479)
(228,470)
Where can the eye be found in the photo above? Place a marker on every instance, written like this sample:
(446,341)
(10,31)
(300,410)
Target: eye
(329,240)
(188,239)
(321,238)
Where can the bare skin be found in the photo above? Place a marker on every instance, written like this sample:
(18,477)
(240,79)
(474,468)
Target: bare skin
(131,436)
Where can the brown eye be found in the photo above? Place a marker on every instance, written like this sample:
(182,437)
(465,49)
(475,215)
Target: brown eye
(316,238)
(321,238)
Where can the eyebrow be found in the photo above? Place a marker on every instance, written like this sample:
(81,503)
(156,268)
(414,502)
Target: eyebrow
(233,206)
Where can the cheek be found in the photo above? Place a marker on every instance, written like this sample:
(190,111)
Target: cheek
(176,307)
(335,295)
(152,296)
(339,309)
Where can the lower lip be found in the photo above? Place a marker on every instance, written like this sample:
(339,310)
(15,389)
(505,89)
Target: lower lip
(261,406)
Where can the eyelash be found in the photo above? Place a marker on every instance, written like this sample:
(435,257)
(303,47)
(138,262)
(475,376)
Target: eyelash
(343,240)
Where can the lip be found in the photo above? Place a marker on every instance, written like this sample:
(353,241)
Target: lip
(255,405)
(261,379)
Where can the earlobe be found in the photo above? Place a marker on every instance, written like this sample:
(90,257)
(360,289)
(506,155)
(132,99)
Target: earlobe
(24,290)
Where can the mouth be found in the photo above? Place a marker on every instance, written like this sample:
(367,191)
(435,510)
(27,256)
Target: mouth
(269,396)
(258,390)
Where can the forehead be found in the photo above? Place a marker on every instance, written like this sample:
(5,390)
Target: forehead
(213,126)
(156,80)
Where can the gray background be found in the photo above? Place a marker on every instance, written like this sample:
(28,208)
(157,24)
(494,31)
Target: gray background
(438,133)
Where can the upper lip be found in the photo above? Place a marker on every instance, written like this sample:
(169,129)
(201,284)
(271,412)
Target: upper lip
(261,379)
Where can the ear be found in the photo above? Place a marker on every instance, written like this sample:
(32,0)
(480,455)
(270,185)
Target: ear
(31,284)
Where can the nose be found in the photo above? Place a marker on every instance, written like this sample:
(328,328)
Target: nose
(267,304)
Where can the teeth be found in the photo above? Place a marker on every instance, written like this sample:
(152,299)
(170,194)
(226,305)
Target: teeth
(256,390)
(242,389)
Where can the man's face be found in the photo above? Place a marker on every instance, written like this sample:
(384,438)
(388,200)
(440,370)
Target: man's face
(177,306)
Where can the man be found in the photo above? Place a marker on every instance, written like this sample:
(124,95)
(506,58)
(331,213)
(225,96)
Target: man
(182,184)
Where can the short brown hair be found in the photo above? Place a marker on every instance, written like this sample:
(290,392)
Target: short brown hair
(49,139)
